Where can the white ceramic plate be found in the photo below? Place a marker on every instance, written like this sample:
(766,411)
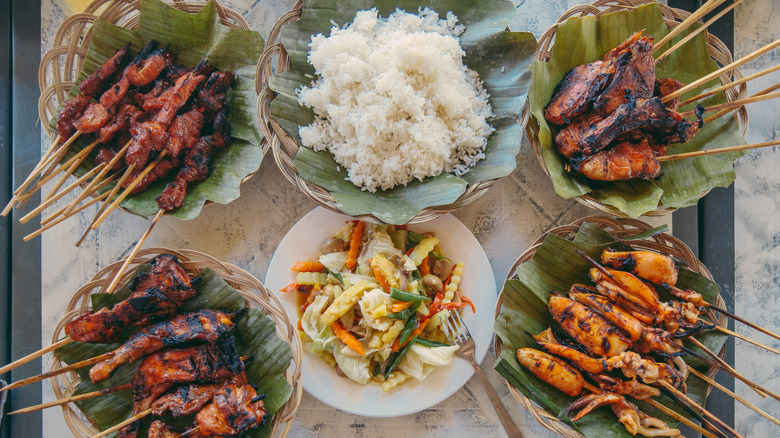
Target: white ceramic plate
(302,242)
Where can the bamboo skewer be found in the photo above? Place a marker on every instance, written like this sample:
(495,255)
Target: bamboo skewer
(127,191)
(62,210)
(62,370)
(103,207)
(722,113)
(33,356)
(734,396)
(64,177)
(696,406)
(127,422)
(717,151)
(695,84)
(52,199)
(695,32)
(57,220)
(694,414)
(731,85)
(694,17)
(130,257)
(73,398)
(679,418)
(746,339)
(735,104)
(743,321)
(90,188)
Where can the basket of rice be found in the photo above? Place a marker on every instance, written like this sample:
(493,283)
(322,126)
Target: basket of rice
(583,35)
(395,114)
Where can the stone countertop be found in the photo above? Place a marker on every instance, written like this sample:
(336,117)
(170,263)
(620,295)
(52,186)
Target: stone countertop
(247,231)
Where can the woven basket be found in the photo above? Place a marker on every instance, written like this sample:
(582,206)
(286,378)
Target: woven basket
(718,51)
(61,65)
(618,227)
(247,285)
(285,148)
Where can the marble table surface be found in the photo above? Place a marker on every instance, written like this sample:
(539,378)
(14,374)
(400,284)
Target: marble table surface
(513,214)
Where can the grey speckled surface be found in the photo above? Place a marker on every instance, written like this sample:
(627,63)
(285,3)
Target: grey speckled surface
(505,221)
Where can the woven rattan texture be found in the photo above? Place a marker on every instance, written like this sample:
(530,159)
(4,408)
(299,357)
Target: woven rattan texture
(247,285)
(620,228)
(718,51)
(285,148)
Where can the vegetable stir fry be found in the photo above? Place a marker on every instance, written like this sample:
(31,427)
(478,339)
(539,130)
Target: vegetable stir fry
(372,304)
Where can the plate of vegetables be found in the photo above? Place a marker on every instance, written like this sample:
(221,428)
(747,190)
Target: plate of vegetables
(368,300)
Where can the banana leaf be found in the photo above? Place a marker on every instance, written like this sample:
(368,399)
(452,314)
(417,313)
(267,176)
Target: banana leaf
(193,38)
(501,58)
(581,40)
(255,334)
(555,267)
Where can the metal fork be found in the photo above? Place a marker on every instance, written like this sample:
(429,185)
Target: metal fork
(458,333)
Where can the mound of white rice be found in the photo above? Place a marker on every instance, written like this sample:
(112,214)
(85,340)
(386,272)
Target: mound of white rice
(394,101)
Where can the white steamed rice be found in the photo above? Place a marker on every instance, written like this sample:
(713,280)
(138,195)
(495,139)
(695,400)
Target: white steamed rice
(394,101)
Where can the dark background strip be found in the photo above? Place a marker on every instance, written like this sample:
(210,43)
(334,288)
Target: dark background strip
(715,237)
(25,314)
(5,188)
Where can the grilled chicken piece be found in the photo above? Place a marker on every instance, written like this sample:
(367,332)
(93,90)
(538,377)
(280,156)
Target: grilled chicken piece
(96,83)
(574,94)
(587,328)
(158,429)
(653,267)
(634,76)
(591,135)
(184,132)
(93,118)
(551,370)
(178,96)
(634,420)
(621,162)
(189,399)
(144,71)
(631,388)
(235,410)
(665,87)
(127,116)
(71,111)
(204,325)
(611,312)
(212,96)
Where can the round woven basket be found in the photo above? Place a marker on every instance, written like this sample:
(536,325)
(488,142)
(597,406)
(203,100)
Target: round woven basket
(620,228)
(248,286)
(673,17)
(285,148)
(61,65)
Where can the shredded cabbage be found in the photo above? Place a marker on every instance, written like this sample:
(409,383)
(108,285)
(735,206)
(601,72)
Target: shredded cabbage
(378,243)
(312,315)
(334,261)
(355,367)
(413,365)
(435,356)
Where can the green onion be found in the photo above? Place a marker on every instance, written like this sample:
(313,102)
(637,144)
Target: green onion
(400,295)
(406,313)
(396,357)
(411,323)
(336,275)
(429,343)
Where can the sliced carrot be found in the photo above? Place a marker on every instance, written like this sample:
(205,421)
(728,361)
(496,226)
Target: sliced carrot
(400,306)
(308,266)
(354,246)
(348,338)
(396,346)
(468,301)
(380,277)
(451,306)
(300,326)
(424,268)
(292,287)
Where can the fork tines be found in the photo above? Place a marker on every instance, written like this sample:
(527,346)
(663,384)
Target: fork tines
(455,328)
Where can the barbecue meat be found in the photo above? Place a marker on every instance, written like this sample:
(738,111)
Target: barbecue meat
(184,132)
(212,96)
(127,116)
(161,170)
(93,118)
(621,162)
(235,410)
(145,71)
(105,155)
(158,429)
(204,325)
(176,96)
(586,327)
(156,295)
(665,87)
(189,399)
(634,77)
(574,94)
(95,83)
(71,111)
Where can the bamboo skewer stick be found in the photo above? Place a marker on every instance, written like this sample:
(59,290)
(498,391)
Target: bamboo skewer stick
(62,370)
(102,208)
(695,32)
(130,257)
(695,84)
(57,196)
(746,339)
(743,321)
(41,164)
(33,356)
(127,191)
(735,104)
(694,17)
(73,398)
(57,220)
(734,396)
(64,177)
(679,418)
(127,422)
(731,85)
(695,414)
(722,113)
(90,188)
(696,406)
(61,211)
(55,159)
(717,151)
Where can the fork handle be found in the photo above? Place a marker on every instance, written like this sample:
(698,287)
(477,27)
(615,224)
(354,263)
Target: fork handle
(506,420)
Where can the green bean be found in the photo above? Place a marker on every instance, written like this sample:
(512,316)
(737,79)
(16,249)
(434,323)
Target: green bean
(396,357)
(400,295)
(431,344)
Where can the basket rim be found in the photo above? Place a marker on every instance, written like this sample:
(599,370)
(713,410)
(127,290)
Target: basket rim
(246,284)
(673,17)
(285,148)
(624,227)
